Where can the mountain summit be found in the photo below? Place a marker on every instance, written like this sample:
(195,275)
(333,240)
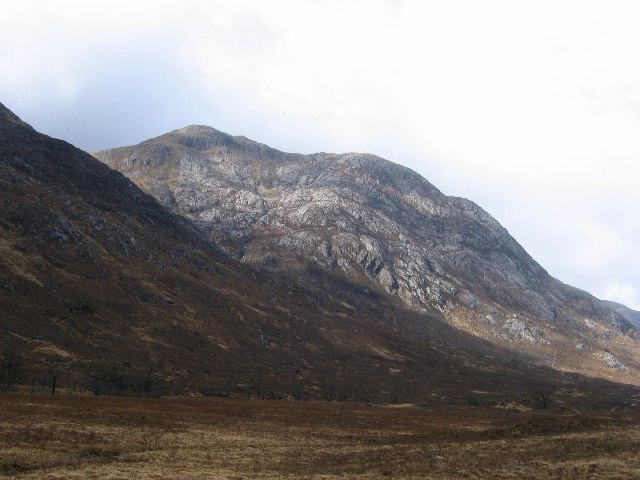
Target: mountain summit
(379,225)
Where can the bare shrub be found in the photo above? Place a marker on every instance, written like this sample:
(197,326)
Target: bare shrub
(11,370)
(114,380)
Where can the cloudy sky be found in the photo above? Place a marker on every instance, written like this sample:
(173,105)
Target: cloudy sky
(531,109)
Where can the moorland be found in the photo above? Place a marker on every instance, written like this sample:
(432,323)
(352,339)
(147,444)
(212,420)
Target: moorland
(83,436)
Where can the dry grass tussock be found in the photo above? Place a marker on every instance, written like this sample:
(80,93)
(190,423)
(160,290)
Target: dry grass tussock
(188,438)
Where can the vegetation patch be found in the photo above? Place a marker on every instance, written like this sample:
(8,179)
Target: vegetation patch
(86,436)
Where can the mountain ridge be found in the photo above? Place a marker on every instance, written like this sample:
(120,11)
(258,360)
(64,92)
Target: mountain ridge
(96,276)
(632,316)
(378,224)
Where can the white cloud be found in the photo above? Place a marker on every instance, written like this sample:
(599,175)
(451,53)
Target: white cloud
(530,109)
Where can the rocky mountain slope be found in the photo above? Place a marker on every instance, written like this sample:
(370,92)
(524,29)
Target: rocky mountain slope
(632,316)
(94,273)
(377,224)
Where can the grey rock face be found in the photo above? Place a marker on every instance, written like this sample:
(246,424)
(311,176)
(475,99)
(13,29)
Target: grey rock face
(523,332)
(612,361)
(356,213)
(368,219)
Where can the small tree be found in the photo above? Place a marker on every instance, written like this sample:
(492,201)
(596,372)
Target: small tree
(329,393)
(10,370)
(50,379)
(299,393)
(544,397)
(54,382)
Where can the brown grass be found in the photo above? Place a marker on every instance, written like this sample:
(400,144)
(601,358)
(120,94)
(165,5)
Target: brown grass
(100,437)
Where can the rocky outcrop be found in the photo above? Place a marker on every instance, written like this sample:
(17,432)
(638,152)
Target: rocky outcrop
(374,223)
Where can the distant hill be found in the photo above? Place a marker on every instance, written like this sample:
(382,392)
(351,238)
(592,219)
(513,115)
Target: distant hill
(632,316)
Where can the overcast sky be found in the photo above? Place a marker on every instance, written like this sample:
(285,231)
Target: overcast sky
(529,108)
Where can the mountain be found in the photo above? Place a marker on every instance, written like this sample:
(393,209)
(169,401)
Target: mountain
(373,223)
(632,316)
(98,280)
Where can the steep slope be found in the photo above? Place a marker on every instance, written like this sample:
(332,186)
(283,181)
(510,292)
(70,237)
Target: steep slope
(632,316)
(95,272)
(380,225)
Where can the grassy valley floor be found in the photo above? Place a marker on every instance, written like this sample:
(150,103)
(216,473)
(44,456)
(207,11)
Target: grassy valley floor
(76,436)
